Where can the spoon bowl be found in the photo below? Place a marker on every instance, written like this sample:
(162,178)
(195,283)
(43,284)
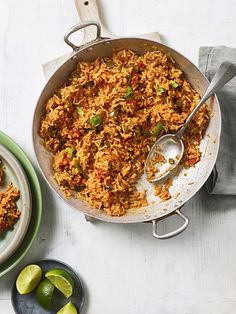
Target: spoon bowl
(169,148)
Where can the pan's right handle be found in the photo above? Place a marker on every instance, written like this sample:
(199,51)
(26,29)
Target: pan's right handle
(78,27)
(88,11)
(172,233)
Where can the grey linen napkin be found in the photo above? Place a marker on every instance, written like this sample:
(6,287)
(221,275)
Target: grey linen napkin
(223,178)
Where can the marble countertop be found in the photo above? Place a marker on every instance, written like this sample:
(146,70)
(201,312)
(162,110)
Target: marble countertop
(125,270)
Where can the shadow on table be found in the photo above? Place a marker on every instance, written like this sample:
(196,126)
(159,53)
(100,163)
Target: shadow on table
(217,203)
(41,245)
(201,210)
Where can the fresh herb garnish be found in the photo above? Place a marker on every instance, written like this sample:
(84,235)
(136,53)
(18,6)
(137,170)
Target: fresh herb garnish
(129,93)
(70,151)
(80,111)
(78,167)
(157,129)
(96,120)
(174,84)
(160,90)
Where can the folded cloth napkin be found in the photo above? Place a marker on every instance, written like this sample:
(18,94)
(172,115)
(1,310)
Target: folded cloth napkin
(223,178)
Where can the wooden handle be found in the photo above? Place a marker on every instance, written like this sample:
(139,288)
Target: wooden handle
(88,11)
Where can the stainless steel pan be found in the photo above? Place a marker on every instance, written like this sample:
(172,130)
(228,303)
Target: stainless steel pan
(184,186)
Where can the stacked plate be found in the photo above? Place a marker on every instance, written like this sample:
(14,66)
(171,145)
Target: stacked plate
(19,171)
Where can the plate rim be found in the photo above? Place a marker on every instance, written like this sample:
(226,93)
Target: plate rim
(36,191)
(25,218)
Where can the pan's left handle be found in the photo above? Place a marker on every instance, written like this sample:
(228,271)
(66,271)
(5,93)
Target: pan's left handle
(78,27)
(172,233)
(88,11)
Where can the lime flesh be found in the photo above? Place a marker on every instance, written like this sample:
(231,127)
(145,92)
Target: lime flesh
(28,279)
(69,308)
(61,280)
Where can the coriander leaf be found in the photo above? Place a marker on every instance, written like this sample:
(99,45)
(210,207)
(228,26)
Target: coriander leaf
(129,93)
(70,151)
(96,120)
(157,129)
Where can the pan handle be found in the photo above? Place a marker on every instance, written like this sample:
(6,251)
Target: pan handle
(78,27)
(89,11)
(172,233)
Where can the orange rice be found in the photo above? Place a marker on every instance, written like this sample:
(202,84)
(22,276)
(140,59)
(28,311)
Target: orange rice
(101,124)
(8,208)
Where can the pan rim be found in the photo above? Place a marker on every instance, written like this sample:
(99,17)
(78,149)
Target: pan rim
(108,218)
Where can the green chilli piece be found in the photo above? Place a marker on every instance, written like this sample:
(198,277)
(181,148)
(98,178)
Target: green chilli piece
(80,111)
(157,129)
(78,167)
(70,151)
(160,90)
(129,93)
(96,120)
(174,84)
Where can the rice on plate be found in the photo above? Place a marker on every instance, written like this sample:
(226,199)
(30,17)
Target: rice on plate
(9,212)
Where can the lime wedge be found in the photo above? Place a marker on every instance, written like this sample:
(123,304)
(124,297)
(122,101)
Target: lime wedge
(61,280)
(69,308)
(28,279)
(44,293)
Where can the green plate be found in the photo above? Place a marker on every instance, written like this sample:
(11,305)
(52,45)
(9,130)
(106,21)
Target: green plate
(36,204)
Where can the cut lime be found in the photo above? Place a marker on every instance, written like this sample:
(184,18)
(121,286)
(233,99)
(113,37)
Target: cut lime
(28,279)
(62,281)
(69,308)
(44,293)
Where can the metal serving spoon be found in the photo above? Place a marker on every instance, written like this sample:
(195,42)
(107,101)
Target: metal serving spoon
(171,146)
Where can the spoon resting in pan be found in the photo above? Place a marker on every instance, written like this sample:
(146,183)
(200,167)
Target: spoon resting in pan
(168,150)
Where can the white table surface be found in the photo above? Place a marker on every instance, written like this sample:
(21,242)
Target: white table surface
(125,270)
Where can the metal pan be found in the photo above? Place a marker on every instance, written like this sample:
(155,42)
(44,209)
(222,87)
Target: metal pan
(184,186)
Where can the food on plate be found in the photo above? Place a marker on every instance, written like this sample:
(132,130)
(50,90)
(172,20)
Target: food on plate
(62,280)
(101,124)
(44,293)
(69,308)
(9,212)
(2,175)
(28,278)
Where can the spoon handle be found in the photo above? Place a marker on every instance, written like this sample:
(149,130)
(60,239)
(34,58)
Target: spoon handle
(225,73)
